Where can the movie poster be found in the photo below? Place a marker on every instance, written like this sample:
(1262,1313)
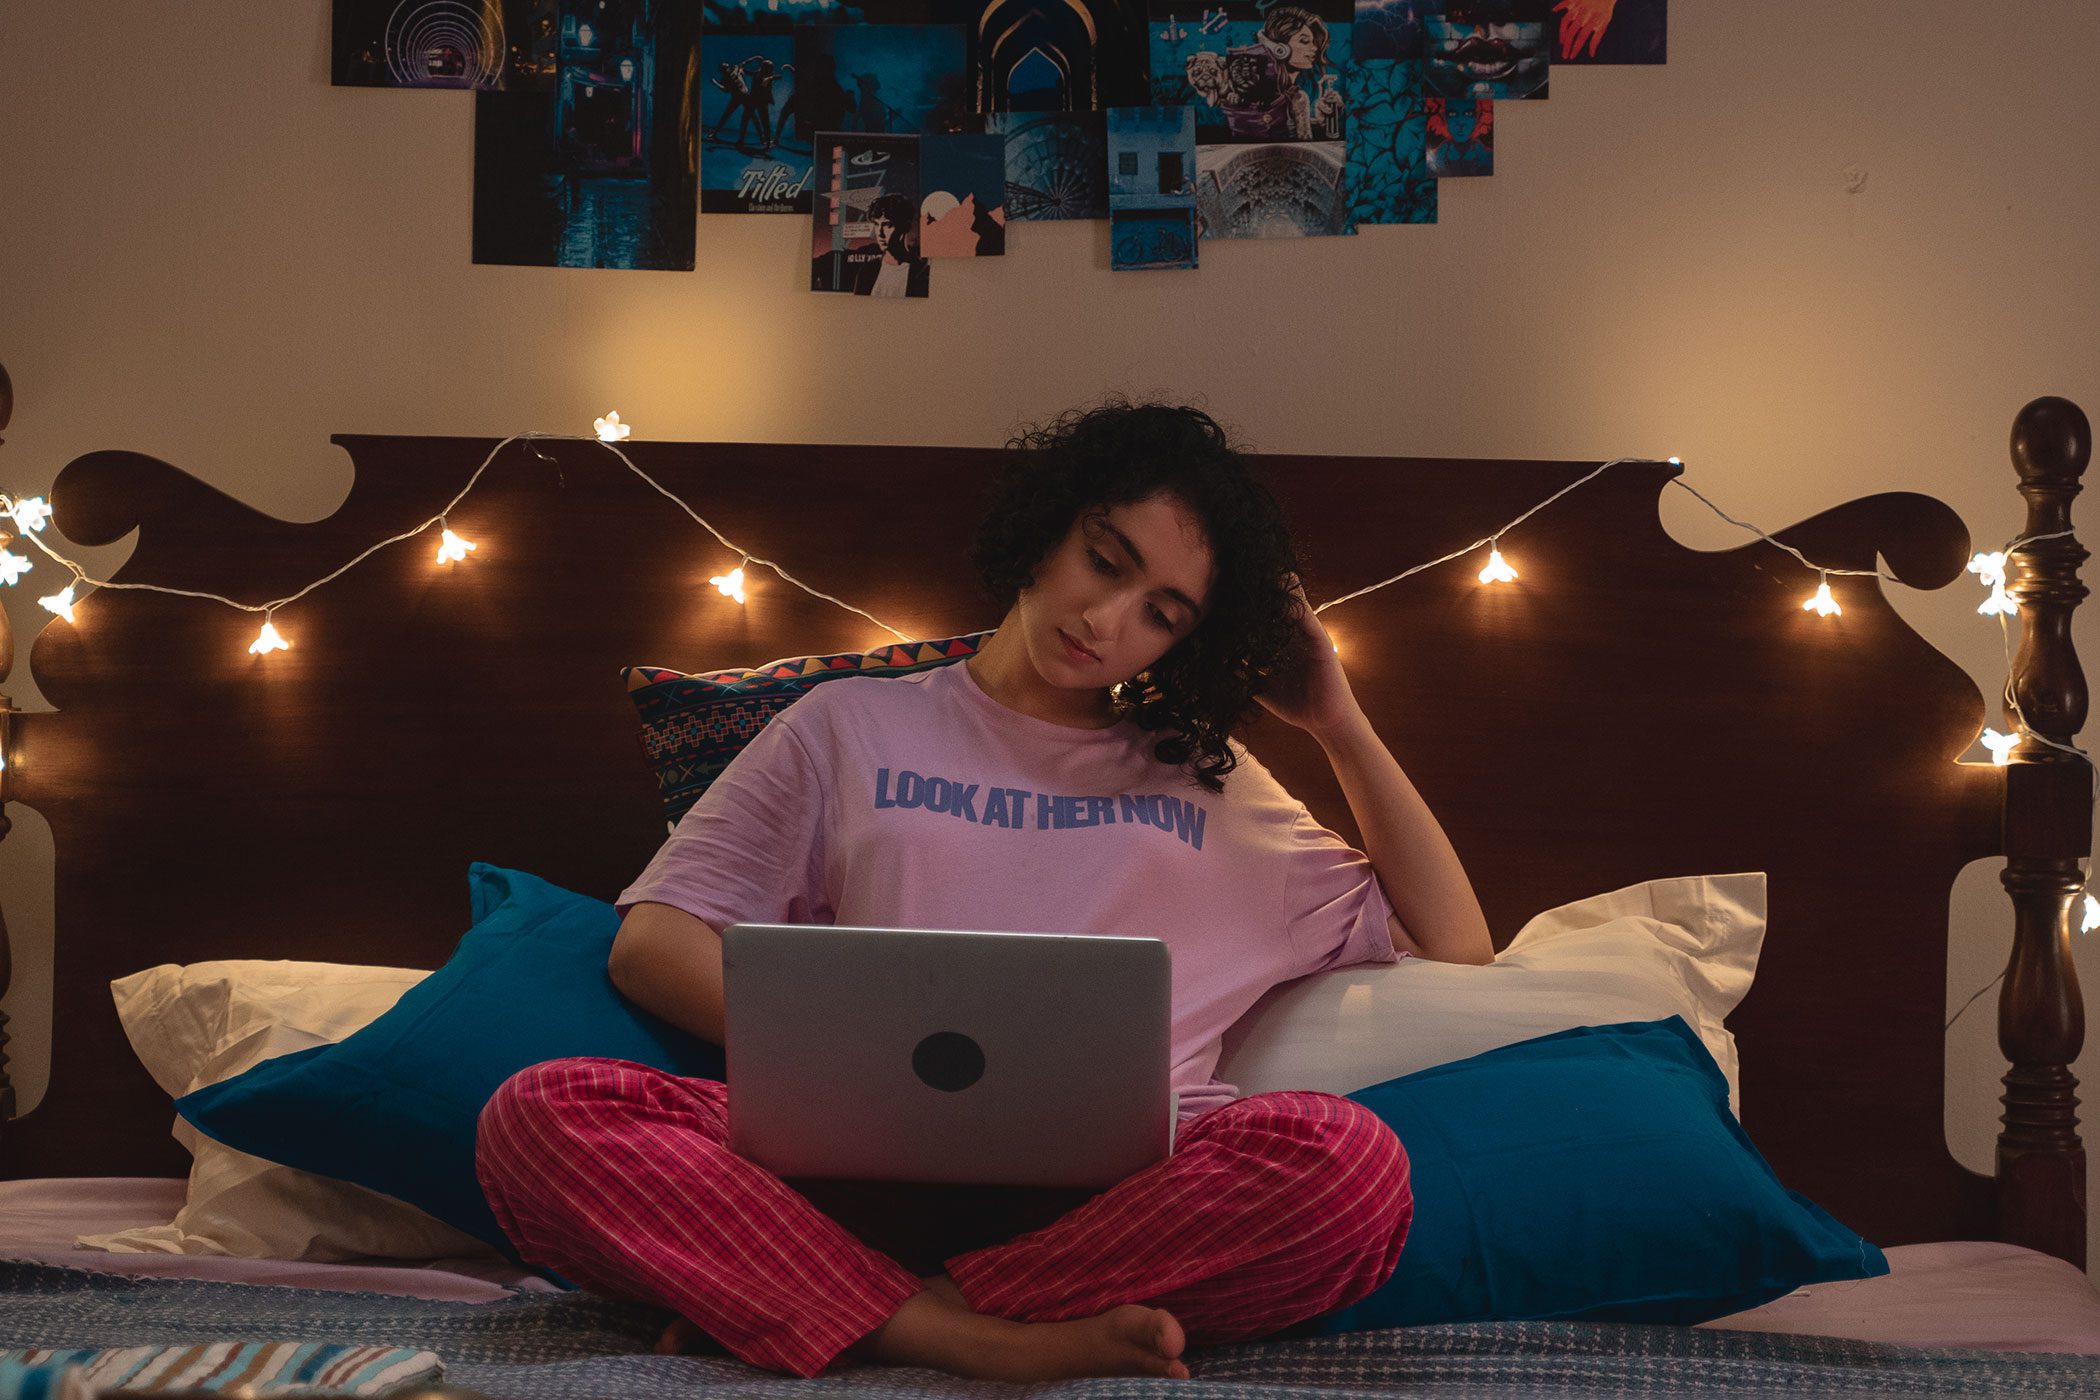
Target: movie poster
(1388,176)
(489,45)
(1460,136)
(754,158)
(600,171)
(865,216)
(1252,72)
(1056,164)
(1151,187)
(1285,189)
(962,195)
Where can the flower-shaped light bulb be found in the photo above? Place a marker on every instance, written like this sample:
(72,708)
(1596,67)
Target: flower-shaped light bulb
(268,641)
(1822,603)
(2091,920)
(1498,569)
(1990,569)
(2000,745)
(610,428)
(60,602)
(453,547)
(32,514)
(13,566)
(731,584)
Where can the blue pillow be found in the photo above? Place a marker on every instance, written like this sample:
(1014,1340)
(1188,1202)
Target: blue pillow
(1592,1174)
(393,1107)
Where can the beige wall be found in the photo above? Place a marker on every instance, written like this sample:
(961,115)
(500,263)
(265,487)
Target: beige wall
(1829,250)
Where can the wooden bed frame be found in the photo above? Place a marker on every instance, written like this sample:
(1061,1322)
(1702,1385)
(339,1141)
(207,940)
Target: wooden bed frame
(1629,709)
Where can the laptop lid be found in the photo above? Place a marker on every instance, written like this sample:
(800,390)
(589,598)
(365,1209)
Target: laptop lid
(914,1055)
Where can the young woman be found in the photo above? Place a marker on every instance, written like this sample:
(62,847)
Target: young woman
(1151,602)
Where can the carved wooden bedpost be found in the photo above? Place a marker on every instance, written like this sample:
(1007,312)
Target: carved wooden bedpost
(2048,830)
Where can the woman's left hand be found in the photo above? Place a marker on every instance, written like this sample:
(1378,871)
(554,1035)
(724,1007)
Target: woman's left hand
(1315,696)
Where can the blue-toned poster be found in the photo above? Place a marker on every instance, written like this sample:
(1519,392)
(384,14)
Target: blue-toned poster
(1285,189)
(1254,73)
(1056,163)
(487,45)
(601,170)
(1151,187)
(1388,173)
(1460,136)
(1486,48)
(751,161)
(1055,55)
(881,78)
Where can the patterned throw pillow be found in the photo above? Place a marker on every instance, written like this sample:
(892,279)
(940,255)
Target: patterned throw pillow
(693,724)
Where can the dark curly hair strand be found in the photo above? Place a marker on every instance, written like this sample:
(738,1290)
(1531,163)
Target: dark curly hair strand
(1120,453)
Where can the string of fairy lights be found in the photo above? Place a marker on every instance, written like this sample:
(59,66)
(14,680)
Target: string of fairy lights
(30,515)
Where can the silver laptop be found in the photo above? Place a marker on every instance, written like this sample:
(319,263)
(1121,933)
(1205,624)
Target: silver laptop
(1015,1059)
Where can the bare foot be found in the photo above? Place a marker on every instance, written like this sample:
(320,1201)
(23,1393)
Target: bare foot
(936,1328)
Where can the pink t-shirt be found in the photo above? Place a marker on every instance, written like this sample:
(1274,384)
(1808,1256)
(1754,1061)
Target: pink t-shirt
(920,802)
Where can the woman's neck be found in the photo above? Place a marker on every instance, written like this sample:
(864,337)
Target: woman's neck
(1003,671)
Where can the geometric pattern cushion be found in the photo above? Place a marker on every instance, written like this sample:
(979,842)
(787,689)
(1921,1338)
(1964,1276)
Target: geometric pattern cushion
(694,723)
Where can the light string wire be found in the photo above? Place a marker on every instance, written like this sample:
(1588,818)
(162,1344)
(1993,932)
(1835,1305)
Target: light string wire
(8,507)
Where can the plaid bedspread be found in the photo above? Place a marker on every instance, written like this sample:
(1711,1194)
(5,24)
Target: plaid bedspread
(577,1346)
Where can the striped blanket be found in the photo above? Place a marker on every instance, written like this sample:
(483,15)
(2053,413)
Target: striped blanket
(580,1346)
(256,1369)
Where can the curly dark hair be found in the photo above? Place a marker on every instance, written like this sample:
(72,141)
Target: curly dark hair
(1119,453)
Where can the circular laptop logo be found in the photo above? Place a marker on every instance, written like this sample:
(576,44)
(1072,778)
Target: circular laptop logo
(948,1061)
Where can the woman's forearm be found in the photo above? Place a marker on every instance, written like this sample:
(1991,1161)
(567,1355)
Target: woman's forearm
(1440,916)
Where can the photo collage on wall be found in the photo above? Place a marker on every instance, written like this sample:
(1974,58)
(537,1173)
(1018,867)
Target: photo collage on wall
(907,131)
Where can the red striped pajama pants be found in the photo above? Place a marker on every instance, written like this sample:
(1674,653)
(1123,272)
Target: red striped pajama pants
(1270,1210)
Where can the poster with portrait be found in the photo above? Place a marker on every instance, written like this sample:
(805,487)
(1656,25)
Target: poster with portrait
(1460,136)
(601,170)
(1056,163)
(864,219)
(486,45)
(1613,31)
(1284,189)
(962,195)
(1388,175)
(1253,72)
(892,79)
(1151,187)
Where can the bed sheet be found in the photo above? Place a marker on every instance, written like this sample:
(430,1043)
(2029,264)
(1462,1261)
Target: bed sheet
(1977,1294)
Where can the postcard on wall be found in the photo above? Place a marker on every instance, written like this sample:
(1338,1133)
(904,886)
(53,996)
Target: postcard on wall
(882,78)
(600,171)
(488,45)
(1388,175)
(1056,164)
(1460,136)
(1630,31)
(1254,72)
(1286,189)
(1487,48)
(753,157)
(1056,55)
(962,195)
(1151,187)
(865,216)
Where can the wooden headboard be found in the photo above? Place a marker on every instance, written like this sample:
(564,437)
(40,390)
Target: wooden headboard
(1630,709)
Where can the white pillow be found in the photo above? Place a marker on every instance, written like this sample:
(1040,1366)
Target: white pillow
(1686,947)
(198,1024)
